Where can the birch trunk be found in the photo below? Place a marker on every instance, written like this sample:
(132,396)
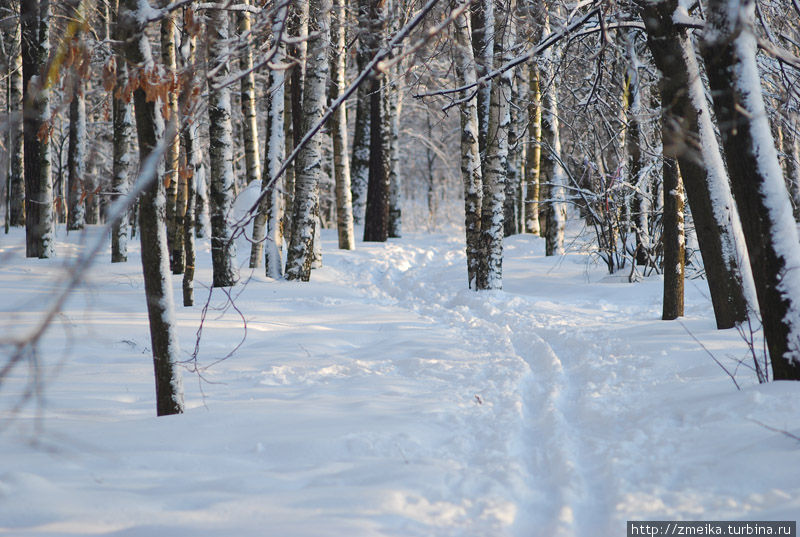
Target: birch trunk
(267,223)
(170,63)
(359,168)
(195,170)
(341,165)
(122,117)
(152,214)
(514,161)
(39,222)
(552,175)
(223,249)
(534,154)
(16,169)
(391,138)
(490,275)
(483,35)
(76,157)
(248,88)
(470,149)
(309,159)
(729,50)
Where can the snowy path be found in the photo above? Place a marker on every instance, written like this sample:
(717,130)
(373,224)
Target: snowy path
(385,399)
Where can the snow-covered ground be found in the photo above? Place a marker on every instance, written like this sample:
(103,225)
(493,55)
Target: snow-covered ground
(384,399)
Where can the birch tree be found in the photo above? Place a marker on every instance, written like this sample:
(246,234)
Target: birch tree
(359,167)
(341,164)
(534,153)
(122,117)
(267,228)
(190,138)
(309,159)
(470,148)
(35,34)
(490,275)
(248,91)
(551,190)
(170,63)
(76,154)
(223,249)
(16,155)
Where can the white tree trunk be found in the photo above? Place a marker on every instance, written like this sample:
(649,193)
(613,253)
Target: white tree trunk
(470,149)
(309,160)
(341,165)
(494,174)
(223,249)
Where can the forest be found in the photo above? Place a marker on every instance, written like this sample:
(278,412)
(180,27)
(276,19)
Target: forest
(398,267)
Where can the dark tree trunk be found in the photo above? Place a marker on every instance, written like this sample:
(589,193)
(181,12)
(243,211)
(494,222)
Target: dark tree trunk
(674,241)
(686,126)
(359,164)
(152,224)
(39,223)
(729,51)
(122,114)
(376,218)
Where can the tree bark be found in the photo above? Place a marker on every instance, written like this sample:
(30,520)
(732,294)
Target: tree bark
(223,249)
(552,191)
(152,228)
(309,159)
(194,169)
(76,157)
(470,148)
(359,168)
(122,116)
(516,151)
(39,223)
(490,273)
(674,241)
(174,229)
(729,51)
(483,36)
(267,228)
(341,165)
(16,152)
(248,88)
(376,217)
(534,153)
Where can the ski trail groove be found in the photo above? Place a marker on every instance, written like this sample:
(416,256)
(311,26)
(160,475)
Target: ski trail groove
(566,490)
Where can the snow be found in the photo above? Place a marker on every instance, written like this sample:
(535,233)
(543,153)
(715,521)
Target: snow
(384,398)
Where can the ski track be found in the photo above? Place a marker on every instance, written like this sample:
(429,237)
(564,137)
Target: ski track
(568,489)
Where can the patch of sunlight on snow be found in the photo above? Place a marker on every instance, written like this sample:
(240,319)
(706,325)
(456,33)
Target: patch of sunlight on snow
(448,514)
(415,507)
